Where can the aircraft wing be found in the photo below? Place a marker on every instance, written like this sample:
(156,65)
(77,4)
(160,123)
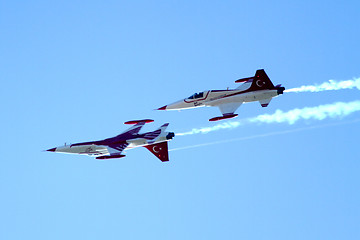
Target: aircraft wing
(229,108)
(160,150)
(113,151)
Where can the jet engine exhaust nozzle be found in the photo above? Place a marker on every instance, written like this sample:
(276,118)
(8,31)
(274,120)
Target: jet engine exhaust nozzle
(280,90)
(170,135)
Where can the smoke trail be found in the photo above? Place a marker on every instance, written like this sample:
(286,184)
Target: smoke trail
(326,86)
(265,135)
(321,112)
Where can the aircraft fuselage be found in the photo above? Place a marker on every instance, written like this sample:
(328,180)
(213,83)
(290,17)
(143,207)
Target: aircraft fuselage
(98,147)
(218,97)
(155,141)
(257,88)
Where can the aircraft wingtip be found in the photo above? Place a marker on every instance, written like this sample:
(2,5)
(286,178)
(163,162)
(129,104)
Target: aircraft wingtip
(139,121)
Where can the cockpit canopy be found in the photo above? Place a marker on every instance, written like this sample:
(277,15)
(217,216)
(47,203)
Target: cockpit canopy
(197,95)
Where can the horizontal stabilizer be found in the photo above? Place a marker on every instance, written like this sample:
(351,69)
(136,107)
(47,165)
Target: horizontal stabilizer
(260,81)
(244,79)
(156,133)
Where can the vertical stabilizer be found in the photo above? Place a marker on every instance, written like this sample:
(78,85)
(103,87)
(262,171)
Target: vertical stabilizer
(160,150)
(261,81)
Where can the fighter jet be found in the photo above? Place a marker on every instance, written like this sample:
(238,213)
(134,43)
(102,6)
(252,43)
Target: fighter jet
(256,88)
(155,142)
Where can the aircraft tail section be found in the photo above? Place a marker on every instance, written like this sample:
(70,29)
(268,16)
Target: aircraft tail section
(164,126)
(156,133)
(160,150)
(261,81)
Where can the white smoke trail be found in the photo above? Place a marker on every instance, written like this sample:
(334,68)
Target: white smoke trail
(321,112)
(326,86)
(266,135)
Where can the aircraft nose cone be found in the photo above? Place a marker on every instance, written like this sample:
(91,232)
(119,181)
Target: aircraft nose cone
(162,108)
(51,150)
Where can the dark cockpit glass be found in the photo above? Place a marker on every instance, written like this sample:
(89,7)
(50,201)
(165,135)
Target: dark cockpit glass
(197,95)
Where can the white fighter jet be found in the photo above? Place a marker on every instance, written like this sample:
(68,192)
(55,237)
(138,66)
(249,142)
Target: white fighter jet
(256,88)
(155,142)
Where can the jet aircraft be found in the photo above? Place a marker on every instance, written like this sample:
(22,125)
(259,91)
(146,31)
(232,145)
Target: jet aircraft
(155,142)
(256,88)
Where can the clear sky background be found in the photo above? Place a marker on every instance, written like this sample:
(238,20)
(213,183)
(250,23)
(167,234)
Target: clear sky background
(74,71)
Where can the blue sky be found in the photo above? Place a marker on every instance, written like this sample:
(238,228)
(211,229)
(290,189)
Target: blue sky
(74,71)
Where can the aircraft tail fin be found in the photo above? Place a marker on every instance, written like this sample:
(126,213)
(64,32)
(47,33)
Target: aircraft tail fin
(261,81)
(160,150)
